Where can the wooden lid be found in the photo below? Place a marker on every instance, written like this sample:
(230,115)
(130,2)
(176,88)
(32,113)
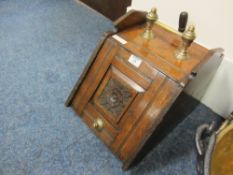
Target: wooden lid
(160,51)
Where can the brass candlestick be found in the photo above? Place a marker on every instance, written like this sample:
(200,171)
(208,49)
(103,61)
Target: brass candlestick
(187,38)
(151,18)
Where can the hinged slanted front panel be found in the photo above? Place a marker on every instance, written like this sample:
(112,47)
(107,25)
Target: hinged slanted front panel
(118,89)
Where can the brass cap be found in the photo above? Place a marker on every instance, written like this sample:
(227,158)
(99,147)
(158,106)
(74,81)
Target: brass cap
(152,15)
(190,33)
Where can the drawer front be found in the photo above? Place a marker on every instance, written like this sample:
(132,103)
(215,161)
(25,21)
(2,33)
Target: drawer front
(99,124)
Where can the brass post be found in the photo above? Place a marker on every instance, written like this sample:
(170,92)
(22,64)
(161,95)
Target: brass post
(151,18)
(187,38)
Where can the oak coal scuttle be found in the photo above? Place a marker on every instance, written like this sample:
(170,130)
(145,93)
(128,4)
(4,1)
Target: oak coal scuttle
(132,79)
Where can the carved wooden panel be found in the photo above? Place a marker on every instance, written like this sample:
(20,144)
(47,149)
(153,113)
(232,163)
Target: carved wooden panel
(115,97)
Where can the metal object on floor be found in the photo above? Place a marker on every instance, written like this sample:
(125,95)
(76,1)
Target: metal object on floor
(215,148)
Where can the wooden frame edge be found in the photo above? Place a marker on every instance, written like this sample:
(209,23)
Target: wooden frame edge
(88,65)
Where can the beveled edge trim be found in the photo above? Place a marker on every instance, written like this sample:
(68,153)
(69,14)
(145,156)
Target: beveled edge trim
(88,65)
(130,19)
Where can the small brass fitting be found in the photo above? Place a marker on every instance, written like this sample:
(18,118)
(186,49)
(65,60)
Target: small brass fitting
(151,18)
(98,124)
(187,38)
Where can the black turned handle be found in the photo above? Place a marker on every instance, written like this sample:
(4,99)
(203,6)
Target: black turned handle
(183,21)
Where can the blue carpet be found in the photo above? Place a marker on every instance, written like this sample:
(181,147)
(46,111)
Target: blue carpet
(44,46)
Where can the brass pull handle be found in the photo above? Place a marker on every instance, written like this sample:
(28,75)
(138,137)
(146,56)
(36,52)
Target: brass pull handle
(98,124)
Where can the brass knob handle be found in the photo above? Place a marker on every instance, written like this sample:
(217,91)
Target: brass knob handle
(98,124)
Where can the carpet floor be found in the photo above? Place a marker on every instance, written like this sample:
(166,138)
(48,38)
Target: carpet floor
(44,46)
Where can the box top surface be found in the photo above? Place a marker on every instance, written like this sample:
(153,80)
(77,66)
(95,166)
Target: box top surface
(160,51)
